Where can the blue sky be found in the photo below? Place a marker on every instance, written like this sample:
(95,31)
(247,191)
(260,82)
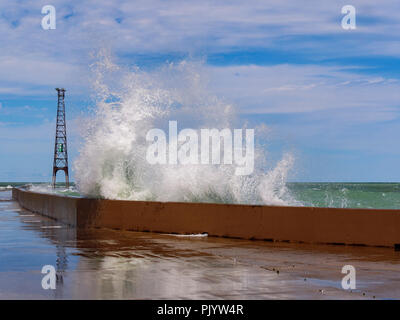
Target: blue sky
(329,95)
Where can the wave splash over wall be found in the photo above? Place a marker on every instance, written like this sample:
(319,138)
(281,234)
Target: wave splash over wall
(129,102)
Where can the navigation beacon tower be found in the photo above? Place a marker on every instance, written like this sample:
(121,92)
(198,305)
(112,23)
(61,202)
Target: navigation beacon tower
(60,145)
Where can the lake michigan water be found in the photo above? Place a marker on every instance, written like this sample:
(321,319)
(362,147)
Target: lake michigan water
(348,195)
(322,194)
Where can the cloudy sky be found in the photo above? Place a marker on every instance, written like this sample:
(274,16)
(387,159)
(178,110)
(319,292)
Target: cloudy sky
(328,95)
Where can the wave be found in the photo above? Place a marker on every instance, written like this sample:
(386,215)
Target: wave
(129,102)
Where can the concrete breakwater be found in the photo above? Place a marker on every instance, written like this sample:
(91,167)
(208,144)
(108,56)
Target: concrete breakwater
(371,227)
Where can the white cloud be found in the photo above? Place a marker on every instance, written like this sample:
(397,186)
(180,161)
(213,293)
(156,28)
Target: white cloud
(305,88)
(32,59)
(159,26)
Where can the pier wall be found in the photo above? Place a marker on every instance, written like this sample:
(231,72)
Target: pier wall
(371,227)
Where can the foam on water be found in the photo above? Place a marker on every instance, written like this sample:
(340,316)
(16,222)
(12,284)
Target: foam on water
(48,188)
(129,102)
(9,187)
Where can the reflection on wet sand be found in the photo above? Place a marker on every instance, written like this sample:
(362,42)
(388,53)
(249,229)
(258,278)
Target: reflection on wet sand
(110,264)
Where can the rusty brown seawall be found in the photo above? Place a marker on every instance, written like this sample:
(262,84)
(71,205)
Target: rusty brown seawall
(372,227)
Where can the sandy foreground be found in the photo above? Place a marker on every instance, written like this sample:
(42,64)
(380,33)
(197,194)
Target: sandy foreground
(113,264)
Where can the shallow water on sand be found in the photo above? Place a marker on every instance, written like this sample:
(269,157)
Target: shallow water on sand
(107,264)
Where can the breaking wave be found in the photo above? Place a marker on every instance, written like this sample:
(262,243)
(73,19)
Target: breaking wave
(129,102)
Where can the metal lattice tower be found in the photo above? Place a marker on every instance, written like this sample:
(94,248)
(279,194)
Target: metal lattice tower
(60,145)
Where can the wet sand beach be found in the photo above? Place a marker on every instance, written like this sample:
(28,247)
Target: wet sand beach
(112,264)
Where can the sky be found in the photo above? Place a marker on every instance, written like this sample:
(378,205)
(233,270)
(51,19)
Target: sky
(328,95)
